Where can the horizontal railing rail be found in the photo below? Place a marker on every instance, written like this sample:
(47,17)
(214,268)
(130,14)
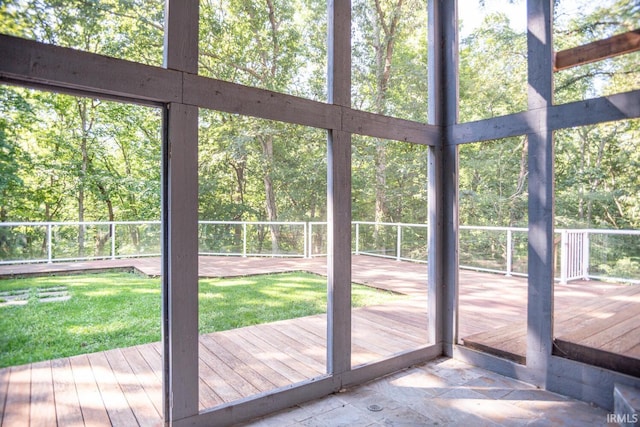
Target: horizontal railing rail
(579,253)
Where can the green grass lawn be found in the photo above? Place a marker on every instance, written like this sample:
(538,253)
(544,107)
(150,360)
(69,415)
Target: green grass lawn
(115,310)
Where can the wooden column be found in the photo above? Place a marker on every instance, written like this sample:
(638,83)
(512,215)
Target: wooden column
(443,174)
(541,190)
(180,222)
(339,193)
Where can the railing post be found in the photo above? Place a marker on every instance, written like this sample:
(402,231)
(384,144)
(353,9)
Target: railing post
(509,253)
(564,256)
(398,242)
(305,244)
(244,239)
(357,239)
(49,248)
(112,226)
(585,255)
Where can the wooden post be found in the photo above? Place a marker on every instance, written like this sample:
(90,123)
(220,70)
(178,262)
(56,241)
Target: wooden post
(443,175)
(541,189)
(339,194)
(180,223)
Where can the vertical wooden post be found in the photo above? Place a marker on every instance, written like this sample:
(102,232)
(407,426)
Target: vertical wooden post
(541,191)
(443,175)
(339,193)
(180,222)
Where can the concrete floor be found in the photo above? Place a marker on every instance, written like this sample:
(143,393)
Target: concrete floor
(444,392)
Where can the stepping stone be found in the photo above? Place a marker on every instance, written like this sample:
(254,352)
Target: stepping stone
(11,294)
(52,294)
(15,302)
(54,289)
(56,299)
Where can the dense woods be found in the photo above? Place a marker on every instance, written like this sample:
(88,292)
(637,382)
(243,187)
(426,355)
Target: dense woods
(66,158)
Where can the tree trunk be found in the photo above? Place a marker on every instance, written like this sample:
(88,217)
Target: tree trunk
(270,199)
(82,110)
(386,31)
(107,199)
(520,183)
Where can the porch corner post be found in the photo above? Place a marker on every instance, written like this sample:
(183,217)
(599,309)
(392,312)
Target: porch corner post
(339,192)
(180,222)
(541,192)
(443,259)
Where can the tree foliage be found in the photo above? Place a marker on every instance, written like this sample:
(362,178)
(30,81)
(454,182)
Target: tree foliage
(69,158)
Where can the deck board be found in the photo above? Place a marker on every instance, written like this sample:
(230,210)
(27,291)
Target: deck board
(43,410)
(115,402)
(221,386)
(124,386)
(4,386)
(17,406)
(137,398)
(145,375)
(278,343)
(68,412)
(93,407)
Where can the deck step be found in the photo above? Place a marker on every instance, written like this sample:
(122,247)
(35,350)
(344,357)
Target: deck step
(626,402)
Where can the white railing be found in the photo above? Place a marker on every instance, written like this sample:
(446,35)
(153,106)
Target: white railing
(580,254)
(60,241)
(373,239)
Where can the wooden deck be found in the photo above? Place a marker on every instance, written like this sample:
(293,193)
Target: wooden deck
(123,386)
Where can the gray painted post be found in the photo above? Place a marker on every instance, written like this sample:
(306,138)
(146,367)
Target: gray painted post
(398,242)
(585,255)
(244,239)
(443,175)
(541,191)
(112,228)
(339,193)
(509,253)
(49,244)
(564,256)
(180,222)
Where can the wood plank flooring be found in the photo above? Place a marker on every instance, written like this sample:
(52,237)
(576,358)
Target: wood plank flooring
(594,323)
(124,386)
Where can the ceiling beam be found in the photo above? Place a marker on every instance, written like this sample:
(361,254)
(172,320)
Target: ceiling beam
(596,51)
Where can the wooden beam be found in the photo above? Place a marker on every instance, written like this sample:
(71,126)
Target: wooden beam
(391,128)
(442,274)
(597,51)
(180,262)
(234,98)
(181,35)
(339,193)
(30,62)
(620,106)
(339,52)
(180,222)
(541,192)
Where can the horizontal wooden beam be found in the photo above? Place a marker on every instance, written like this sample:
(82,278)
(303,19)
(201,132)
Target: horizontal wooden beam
(48,67)
(378,126)
(234,98)
(32,62)
(596,51)
(581,113)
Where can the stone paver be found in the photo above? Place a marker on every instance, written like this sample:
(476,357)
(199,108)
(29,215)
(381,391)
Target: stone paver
(444,392)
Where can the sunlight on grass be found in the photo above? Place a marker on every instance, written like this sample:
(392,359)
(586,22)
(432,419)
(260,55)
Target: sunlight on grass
(115,310)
